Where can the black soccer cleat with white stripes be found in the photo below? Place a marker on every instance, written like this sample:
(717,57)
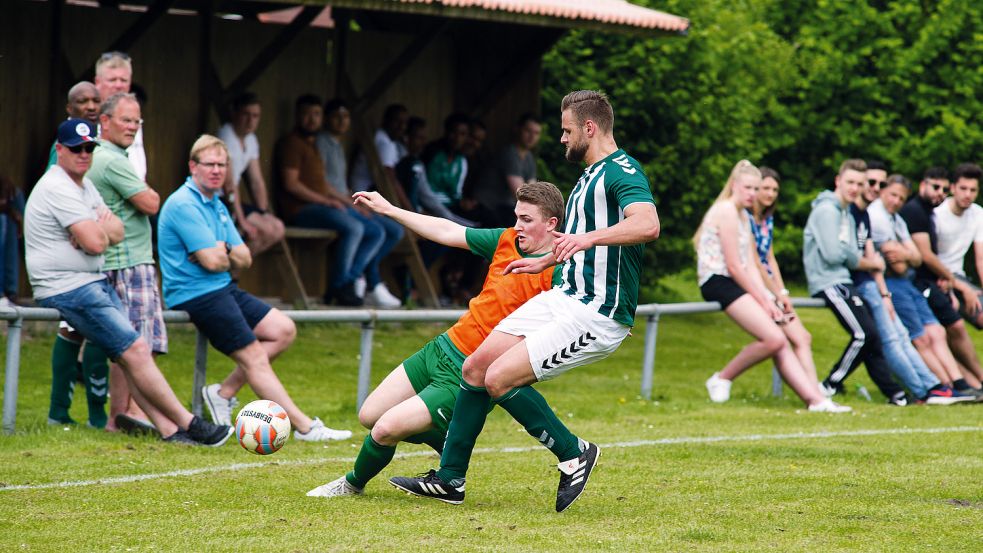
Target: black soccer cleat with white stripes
(573,477)
(430,485)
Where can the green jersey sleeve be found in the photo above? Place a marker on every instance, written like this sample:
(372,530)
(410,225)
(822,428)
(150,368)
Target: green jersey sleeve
(483,241)
(629,185)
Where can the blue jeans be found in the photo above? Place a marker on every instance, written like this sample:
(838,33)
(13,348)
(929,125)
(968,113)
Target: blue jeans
(902,357)
(96,312)
(911,306)
(358,243)
(10,256)
(392,234)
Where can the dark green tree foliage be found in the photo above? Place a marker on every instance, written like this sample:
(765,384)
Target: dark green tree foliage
(796,85)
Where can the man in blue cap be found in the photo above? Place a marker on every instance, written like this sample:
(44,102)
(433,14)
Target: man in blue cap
(67,227)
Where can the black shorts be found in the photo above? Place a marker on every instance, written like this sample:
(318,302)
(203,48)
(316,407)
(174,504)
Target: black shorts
(721,289)
(972,318)
(938,301)
(226,317)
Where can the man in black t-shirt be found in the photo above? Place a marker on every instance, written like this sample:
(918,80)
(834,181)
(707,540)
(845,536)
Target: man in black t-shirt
(934,280)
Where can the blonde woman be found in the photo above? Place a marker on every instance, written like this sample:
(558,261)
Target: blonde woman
(728,274)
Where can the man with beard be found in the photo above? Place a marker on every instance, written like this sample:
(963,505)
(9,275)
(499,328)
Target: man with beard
(610,214)
(935,280)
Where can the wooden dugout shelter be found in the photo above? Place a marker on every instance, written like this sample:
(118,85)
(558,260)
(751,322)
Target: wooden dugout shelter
(480,57)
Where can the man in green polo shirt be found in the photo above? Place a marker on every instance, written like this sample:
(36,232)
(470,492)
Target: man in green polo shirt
(130,264)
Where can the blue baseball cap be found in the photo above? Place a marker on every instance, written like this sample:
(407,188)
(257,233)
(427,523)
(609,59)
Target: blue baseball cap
(76,131)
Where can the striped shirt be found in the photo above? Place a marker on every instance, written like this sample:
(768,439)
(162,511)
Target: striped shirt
(605,278)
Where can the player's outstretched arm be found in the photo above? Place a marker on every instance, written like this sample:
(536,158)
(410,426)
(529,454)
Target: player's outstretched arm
(436,229)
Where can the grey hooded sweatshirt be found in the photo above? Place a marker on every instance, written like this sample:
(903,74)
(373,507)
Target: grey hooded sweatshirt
(829,248)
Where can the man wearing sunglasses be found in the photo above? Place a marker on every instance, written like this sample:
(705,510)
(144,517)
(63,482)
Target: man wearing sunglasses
(935,280)
(67,229)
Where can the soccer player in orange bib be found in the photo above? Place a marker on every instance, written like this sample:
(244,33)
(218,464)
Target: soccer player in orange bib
(416,401)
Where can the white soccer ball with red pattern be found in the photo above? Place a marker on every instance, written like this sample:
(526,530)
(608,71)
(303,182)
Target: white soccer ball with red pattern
(262,427)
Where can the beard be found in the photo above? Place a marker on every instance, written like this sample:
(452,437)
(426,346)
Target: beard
(576,151)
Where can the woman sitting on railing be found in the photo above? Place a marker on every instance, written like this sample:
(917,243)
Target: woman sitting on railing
(728,274)
(762,227)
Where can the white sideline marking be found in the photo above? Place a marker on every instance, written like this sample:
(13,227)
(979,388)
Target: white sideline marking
(636,443)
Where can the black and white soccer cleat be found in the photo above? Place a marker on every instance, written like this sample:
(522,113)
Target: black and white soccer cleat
(430,485)
(573,477)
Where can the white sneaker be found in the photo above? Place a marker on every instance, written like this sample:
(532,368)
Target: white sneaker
(321,433)
(360,286)
(829,406)
(718,388)
(219,407)
(5,303)
(335,488)
(380,296)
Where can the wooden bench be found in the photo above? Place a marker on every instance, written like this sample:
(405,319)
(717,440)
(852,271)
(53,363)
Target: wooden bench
(289,269)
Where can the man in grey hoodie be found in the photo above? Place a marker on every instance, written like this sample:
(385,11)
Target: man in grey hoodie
(829,252)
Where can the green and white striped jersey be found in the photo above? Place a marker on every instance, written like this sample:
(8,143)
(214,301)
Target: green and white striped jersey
(605,278)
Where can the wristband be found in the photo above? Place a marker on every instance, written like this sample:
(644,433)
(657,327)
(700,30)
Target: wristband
(228,249)
(886,294)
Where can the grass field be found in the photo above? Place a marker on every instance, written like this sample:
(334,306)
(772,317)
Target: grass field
(676,474)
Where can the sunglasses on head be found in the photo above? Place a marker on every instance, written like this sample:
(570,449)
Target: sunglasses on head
(79,148)
(877,183)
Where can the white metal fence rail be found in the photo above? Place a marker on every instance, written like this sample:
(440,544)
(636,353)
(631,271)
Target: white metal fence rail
(365,317)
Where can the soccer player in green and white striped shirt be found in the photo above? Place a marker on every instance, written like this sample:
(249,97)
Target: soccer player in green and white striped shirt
(609,216)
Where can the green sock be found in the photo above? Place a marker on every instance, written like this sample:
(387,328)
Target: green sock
(372,458)
(95,371)
(433,438)
(529,408)
(64,367)
(470,412)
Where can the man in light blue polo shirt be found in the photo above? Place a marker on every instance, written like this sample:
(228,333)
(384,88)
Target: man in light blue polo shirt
(198,246)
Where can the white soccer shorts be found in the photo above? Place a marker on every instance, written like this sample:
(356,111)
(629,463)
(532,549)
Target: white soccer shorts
(562,333)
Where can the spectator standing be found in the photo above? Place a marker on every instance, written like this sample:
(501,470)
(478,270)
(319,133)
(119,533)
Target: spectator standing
(829,253)
(514,166)
(114,74)
(260,228)
(935,280)
(83,103)
(198,246)
(67,228)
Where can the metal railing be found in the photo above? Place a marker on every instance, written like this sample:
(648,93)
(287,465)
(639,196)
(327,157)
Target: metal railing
(366,317)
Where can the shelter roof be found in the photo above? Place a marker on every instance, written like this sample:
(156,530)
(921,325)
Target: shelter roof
(611,15)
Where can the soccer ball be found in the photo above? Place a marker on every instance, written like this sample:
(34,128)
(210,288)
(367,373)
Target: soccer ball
(262,427)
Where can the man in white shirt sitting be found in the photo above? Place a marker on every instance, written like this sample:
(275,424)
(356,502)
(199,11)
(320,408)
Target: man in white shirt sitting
(260,228)
(959,224)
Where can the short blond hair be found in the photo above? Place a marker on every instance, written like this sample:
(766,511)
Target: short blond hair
(544,195)
(204,143)
(858,165)
(113,60)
